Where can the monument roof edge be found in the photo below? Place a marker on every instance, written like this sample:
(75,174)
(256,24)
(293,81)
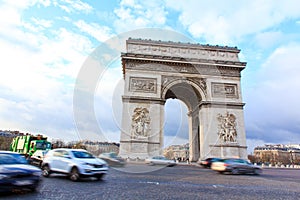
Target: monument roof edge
(133,56)
(181,44)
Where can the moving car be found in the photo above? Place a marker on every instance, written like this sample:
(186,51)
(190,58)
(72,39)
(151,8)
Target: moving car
(76,163)
(160,160)
(38,157)
(208,161)
(235,166)
(112,159)
(16,173)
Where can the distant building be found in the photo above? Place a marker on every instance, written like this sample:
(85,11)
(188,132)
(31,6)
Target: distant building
(278,154)
(177,152)
(97,148)
(10,133)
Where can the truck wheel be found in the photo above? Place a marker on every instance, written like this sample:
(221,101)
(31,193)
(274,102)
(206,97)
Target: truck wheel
(46,171)
(74,175)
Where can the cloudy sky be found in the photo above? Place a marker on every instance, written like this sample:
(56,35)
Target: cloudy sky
(44,46)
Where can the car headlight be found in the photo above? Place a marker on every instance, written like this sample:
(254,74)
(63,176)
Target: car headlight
(88,164)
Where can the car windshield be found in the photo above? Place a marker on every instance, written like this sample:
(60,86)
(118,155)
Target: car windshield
(12,159)
(237,161)
(82,154)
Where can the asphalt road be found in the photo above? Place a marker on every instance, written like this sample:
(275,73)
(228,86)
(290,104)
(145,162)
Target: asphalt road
(136,181)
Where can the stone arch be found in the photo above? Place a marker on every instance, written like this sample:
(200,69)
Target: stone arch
(199,91)
(206,78)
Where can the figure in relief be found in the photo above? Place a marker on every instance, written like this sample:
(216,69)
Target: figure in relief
(140,123)
(227,127)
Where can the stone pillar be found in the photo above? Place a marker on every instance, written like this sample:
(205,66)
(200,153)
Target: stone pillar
(142,131)
(222,132)
(194,135)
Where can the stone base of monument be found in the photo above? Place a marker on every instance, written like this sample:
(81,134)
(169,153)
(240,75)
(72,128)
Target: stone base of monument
(228,150)
(139,149)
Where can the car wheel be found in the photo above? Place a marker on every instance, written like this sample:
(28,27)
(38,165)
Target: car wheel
(100,177)
(235,171)
(74,175)
(33,188)
(46,171)
(257,171)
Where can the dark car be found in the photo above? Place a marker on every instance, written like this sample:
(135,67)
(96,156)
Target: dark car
(112,159)
(16,173)
(236,166)
(208,161)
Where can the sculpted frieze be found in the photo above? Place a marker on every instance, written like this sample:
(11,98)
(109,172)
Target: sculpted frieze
(225,90)
(183,68)
(182,51)
(139,84)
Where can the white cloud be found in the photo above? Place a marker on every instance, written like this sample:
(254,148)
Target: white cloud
(222,23)
(101,33)
(273,109)
(268,39)
(74,6)
(38,71)
(139,14)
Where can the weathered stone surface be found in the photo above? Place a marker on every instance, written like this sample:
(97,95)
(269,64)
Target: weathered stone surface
(206,78)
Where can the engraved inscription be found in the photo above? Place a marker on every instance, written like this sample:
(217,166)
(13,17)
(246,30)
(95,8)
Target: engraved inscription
(224,90)
(138,84)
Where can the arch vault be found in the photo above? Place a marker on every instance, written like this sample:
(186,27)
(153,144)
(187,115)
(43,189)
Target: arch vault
(206,78)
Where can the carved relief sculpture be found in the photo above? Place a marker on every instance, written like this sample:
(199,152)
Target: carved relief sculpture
(224,90)
(140,123)
(227,127)
(142,84)
(201,82)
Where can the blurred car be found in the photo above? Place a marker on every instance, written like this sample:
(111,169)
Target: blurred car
(208,161)
(76,163)
(17,173)
(160,160)
(113,159)
(236,166)
(38,157)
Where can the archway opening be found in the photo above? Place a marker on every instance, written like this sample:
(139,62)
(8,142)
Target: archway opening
(176,123)
(188,123)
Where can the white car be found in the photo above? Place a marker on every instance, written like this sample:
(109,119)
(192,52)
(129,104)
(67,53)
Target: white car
(77,163)
(160,160)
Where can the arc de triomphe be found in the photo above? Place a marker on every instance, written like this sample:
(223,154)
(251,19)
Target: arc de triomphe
(206,78)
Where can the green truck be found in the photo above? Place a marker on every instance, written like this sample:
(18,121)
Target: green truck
(28,144)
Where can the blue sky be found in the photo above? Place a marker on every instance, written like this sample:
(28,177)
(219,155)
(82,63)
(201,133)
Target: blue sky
(44,45)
